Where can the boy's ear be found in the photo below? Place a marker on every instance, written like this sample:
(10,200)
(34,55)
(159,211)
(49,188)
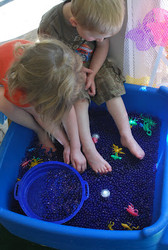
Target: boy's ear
(73,21)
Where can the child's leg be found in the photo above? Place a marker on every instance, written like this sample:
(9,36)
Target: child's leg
(95,160)
(71,127)
(23,118)
(117,110)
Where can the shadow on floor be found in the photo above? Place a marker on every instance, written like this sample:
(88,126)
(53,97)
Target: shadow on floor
(8,242)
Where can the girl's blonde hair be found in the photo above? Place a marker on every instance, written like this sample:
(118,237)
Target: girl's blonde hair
(48,72)
(102,16)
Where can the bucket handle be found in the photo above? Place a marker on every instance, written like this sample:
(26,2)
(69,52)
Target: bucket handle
(86,190)
(16,190)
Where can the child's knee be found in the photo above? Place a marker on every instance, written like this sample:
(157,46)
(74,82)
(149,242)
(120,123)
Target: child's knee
(1,96)
(3,100)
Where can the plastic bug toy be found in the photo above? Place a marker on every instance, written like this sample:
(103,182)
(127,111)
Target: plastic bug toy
(133,122)
(35,161)
(110,225)
(25,163)
(128,226)
(148,123)
(117,151)
(130,209)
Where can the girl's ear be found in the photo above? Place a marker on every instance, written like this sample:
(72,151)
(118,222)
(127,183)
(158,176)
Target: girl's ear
(73,21)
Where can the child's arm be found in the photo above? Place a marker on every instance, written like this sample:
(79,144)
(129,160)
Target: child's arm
(70,123)
(97,61)
(59,134)
(29,118)
(56,131)
(25,119)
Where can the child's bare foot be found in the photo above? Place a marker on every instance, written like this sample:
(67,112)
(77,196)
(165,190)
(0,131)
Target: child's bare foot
(133,146)
(96,161)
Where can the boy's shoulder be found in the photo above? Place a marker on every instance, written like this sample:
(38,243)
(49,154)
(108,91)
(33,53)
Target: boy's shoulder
(52,20)
(54,24)
(54,11)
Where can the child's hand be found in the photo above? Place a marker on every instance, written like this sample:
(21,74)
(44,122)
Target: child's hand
(90,84)
(78,160)
(86,71)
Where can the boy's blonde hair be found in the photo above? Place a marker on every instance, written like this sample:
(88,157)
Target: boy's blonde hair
(48,72)
(102,16)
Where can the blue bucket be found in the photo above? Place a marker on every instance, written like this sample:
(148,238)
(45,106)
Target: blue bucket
(51,191)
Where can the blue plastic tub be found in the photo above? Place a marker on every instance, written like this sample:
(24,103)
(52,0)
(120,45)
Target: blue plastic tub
(155,237)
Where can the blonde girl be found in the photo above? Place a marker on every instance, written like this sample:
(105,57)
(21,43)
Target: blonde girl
(39,91)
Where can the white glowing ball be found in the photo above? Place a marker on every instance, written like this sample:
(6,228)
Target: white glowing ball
(105,193)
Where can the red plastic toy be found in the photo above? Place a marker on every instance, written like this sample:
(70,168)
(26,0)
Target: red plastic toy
(130,209)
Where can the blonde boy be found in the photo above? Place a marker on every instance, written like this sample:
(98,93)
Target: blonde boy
(86,26)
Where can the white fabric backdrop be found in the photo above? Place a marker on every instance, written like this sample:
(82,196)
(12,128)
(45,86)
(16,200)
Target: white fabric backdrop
(144,61)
